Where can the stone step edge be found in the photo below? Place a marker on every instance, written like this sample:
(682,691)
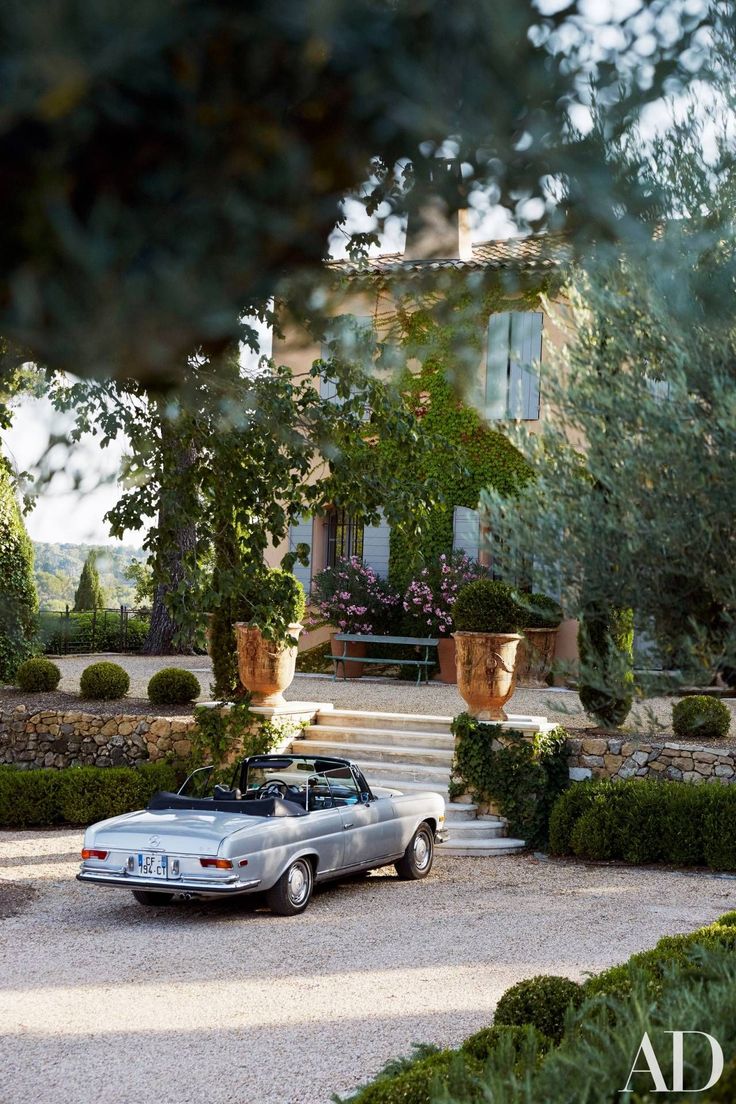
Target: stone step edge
(317,731)
(432,718)
(442,754)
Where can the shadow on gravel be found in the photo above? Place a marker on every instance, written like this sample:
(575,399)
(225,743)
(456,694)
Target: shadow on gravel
(15,898)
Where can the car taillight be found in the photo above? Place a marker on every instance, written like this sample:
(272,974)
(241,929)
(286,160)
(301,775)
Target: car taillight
(93,853)
(220,864)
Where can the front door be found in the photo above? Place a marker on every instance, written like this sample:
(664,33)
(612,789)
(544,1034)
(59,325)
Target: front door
(371,830)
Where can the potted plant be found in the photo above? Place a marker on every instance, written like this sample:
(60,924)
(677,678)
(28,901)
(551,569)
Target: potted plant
(537,649)
(267,642)
(355,600)
(429,600)
(487,617)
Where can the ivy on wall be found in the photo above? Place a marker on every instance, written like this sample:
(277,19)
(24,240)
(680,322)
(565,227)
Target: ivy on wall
(443,331)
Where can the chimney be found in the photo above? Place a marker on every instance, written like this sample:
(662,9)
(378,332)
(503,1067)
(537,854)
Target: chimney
(433,231)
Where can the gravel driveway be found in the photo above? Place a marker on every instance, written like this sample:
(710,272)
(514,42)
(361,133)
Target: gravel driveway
(105,1002)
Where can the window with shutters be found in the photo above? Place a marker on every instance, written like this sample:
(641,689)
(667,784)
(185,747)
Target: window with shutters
(513,359)
(344,537)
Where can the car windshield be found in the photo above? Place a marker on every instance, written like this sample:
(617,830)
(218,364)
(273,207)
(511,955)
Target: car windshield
(312,783)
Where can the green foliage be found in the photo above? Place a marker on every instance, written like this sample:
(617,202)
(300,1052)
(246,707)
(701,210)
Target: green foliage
(173,686)
(541,611)
(606,649)
(484,1043)
(487,606)
(641,821)
(278,601)
(141,575)
(701,717)
(100,632)
(78,795)
(58,567)
(104,681)
(371,605)
(88,595)
(541,1001)
(18,600)
(228,732)
(38,674)
(521,776)
(422,1080)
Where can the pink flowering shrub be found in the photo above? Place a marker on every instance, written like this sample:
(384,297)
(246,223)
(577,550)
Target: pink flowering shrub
(429,598)
(354,599)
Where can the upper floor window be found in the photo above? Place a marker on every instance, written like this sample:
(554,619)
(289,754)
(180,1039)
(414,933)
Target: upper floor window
(513,358)
(344,537)
(347,337)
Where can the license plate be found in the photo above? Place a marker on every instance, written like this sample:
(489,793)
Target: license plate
(152,865)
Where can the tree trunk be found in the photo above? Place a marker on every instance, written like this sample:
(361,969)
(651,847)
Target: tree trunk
(176,540)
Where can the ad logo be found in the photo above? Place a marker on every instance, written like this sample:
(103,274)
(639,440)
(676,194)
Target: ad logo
(652,1067)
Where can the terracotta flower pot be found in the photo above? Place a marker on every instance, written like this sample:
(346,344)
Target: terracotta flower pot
(266,669)
(447,661)
(354,648)
(535,656)
(485,672)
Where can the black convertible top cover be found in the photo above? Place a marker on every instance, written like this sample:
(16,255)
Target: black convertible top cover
(268,807)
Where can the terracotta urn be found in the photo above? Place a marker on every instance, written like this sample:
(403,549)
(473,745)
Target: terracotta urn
(447,661)
(486,672)
(535,656)
(266,668)
(354,648)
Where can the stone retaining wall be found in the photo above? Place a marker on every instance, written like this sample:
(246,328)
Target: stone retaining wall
(614,757)
(53,739)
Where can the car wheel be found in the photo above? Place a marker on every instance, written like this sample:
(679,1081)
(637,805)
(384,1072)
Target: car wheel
(417,860)
(293,890)
(148,897)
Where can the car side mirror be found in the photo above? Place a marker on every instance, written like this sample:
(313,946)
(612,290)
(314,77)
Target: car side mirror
(365,798)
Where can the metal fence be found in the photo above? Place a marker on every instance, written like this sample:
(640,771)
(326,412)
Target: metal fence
(119,629)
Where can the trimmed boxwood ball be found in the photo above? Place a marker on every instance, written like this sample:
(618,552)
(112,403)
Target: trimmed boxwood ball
(541,1001)
(487,606)
(173,686)
(38,674)
(701,716)
(104,681)
(540,611)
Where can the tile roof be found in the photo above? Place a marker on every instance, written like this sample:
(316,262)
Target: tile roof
(543,253)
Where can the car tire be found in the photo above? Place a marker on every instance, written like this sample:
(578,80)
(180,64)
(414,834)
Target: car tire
(293,890)
(149,897)
(416,862)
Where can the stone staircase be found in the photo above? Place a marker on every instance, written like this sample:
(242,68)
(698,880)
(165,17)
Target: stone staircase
(412,753)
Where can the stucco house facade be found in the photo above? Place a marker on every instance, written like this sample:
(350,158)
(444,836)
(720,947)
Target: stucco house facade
(506,384)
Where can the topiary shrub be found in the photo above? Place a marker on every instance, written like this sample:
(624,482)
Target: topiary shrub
(541,1001)
(173,686)
(448,1071)
(701,717)
(486,1042)
(606,649)
(38,675)
(104,681)
(487,606)
(540,611)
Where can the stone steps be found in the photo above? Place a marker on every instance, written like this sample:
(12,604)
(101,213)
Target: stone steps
(411,753)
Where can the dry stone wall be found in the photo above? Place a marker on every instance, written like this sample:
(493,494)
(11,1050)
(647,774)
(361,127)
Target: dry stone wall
(612,757)
(50,738)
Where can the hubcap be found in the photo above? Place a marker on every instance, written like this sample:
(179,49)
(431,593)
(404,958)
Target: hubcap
(298,883)
(421,851)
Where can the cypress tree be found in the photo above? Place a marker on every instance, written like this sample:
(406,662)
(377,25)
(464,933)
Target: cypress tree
(88,595)
(18,598)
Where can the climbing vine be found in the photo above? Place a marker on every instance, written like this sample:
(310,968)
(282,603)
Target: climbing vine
(444,332)
(234,732)
(521,777)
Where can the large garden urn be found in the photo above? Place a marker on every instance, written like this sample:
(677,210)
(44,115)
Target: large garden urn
(266,667)
(486,679)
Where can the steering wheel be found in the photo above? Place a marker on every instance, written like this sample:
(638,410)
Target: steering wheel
(273,789)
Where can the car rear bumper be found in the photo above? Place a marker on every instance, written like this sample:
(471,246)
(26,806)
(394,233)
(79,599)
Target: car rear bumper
(201,886)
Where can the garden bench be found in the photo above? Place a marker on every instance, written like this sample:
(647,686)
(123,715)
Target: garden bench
(422,665)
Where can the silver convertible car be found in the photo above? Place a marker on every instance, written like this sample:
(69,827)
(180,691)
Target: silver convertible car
(285,823)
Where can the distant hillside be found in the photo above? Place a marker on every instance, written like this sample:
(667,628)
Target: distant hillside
(58,567)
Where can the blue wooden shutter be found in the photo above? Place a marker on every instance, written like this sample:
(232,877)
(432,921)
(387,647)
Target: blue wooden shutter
(466,531)
(497,366)
(376,539)
(525,355)
(301,533)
